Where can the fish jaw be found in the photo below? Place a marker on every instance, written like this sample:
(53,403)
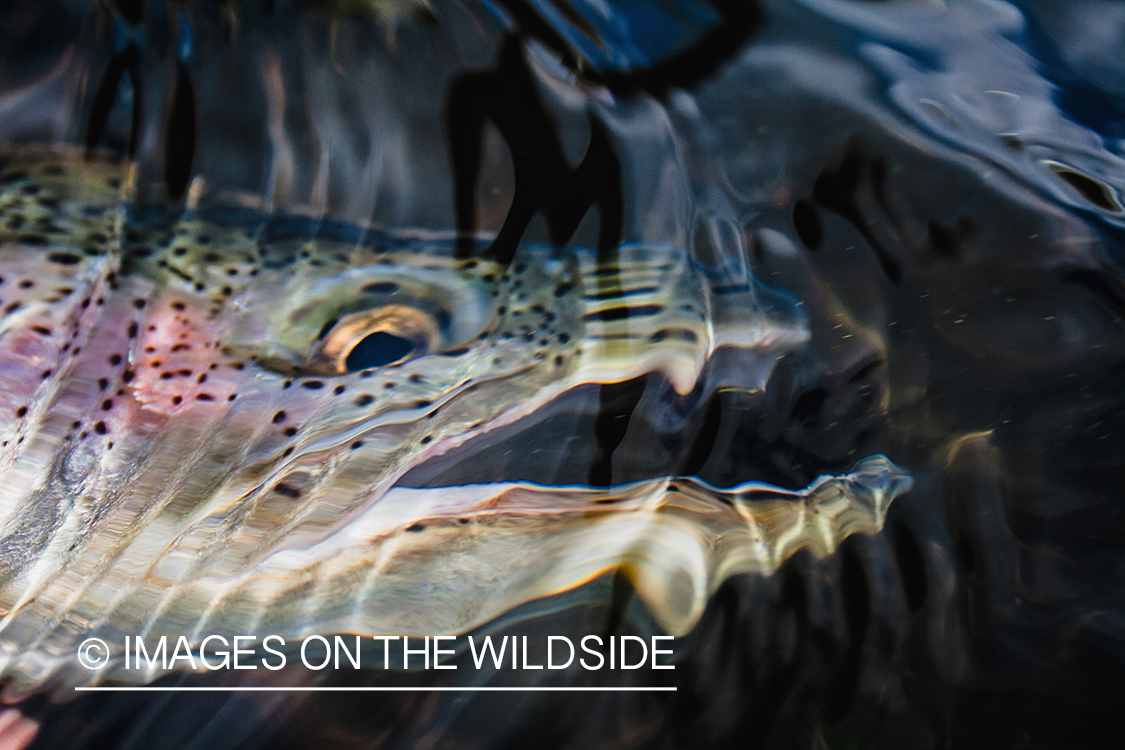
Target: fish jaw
(477,551)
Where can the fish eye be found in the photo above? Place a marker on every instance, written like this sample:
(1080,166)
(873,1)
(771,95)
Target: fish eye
(381,337)
(378,349)
(363,318)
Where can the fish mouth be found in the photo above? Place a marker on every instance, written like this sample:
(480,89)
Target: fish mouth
(677,540)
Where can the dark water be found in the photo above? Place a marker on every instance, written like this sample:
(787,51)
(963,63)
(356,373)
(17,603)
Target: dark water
(939,182)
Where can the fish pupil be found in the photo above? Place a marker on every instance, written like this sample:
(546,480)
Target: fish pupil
(378,349)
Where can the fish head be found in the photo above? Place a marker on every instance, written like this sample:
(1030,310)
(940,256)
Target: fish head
(205,412)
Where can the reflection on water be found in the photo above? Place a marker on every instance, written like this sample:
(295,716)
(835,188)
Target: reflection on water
(927,196)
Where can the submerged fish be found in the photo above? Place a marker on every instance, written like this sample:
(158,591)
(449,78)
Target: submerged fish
(203,420)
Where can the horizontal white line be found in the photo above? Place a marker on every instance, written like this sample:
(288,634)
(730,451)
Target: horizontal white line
(271,689)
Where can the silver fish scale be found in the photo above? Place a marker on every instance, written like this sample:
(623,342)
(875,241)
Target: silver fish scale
(187,453)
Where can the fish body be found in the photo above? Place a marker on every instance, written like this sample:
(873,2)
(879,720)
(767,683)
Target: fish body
(205,418)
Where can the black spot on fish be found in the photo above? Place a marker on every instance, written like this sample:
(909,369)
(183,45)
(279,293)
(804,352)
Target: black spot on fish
(623,312)
(614,293)
(286,490)
(64,259)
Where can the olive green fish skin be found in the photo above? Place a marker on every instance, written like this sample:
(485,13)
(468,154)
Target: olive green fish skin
(188,448)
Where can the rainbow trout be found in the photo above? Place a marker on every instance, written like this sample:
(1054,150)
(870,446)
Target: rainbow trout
(203,426)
